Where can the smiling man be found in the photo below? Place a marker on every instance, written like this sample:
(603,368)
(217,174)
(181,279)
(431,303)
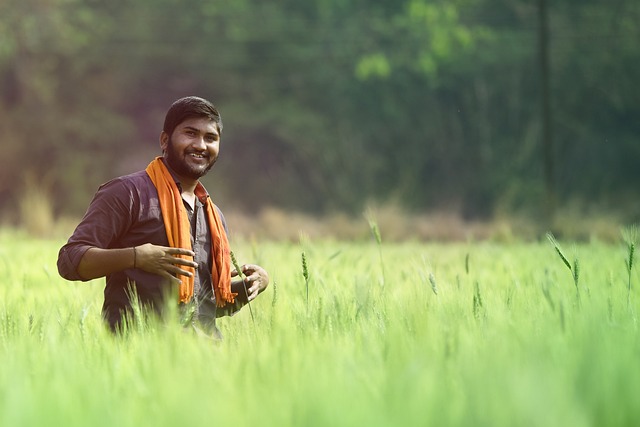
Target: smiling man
(157,229)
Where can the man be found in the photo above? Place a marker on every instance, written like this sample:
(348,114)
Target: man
(157,229)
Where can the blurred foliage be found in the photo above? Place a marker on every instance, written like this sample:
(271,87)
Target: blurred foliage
(328,104)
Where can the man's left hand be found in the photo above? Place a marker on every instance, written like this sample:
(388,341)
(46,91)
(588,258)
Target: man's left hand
(256,279)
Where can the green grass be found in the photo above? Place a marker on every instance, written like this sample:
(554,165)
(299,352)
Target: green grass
(503,342)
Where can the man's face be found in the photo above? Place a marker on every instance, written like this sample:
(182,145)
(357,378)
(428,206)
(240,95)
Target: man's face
(192,148)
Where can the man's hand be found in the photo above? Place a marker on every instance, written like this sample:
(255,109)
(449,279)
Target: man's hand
(160,260)
(164,261)
(256,279)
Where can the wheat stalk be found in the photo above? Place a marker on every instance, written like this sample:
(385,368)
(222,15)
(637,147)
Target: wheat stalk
(477,300)
(630,236)
(305,274)
(575,269)
(466,263)
(244,285)
(555,244)
(432,280)
(373,225)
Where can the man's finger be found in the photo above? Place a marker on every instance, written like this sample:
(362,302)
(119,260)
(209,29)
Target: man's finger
(248,268)
(183,261)
(253,277)
(180,251)
(178,270)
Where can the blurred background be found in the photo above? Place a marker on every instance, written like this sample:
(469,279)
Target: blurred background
(438,115)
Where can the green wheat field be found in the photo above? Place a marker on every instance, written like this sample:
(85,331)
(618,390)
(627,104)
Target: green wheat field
(368,334)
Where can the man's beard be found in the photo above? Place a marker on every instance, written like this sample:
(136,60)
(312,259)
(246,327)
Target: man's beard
(179,165)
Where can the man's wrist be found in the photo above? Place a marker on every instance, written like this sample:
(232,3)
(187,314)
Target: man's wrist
(135,256)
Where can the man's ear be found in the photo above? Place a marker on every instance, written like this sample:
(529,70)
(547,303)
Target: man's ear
(164,141)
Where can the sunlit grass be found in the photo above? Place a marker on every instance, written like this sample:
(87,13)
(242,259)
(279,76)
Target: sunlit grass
(356,353)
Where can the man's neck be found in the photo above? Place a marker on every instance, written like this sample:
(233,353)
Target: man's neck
(190,198)
(188,185)
(188,191)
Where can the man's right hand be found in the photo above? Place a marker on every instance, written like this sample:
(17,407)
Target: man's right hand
(164,261)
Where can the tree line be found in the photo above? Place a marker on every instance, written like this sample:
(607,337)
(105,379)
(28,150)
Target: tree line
(329,104)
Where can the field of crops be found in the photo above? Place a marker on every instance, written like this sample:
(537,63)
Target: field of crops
(469,334)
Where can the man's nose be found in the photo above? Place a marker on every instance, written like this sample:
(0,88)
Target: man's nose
(199,143)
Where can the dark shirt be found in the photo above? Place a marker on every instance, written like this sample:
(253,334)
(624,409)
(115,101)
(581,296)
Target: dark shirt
(125,212)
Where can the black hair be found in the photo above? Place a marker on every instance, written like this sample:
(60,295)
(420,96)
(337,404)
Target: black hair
(189,107)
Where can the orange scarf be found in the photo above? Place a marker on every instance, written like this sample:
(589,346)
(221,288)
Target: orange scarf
(176,224)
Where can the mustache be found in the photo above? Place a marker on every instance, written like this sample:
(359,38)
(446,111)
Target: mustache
(202,153)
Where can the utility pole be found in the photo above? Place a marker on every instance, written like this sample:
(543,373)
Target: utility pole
(548,156)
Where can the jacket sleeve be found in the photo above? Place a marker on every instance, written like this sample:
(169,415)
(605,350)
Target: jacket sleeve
(108,217)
